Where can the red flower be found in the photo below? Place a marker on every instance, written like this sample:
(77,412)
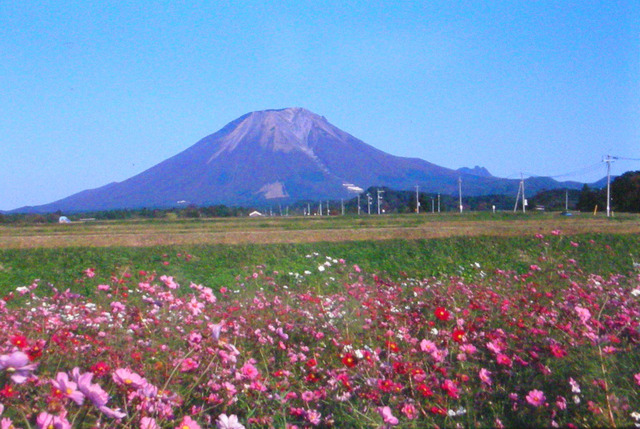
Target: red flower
(385,385)
(311,363)
(35,352)
(457,335)
(392,346)
(20,341)
(400,367)
(437,410)
(100,369)
(349,360)
(557,351)
(7,391)
(441,313)
(312,377)
(424,390)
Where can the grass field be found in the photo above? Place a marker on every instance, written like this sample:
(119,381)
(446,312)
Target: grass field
(221,249)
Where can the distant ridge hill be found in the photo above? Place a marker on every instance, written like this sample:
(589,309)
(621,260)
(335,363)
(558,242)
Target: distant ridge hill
(281,155)
(475,171)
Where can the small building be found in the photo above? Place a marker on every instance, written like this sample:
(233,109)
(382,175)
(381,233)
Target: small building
(255,213)
(64,219)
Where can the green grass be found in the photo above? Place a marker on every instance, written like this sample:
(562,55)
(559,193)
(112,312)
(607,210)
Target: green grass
(219,265)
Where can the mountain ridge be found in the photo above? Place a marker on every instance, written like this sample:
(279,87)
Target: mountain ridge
(285,155)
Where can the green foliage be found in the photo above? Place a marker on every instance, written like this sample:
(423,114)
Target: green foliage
(219,265)
(625,192)
(555,199)
(590,199)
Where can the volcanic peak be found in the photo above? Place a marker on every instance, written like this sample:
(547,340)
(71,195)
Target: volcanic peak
(283,130)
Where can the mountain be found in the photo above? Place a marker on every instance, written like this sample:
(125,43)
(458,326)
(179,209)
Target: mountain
(282,156)
(475,171)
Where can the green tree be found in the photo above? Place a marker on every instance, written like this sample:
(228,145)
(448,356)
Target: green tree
(590,198)
(625,192)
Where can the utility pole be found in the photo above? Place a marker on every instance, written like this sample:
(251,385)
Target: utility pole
(379,199)
(342,205)
(320,207)
(308,209)
(358,204)
(432,208)
(609,159)
(438,202)
(328,212)
(524,200)
(417,199)
(369,203)
(566,200)
(460,192)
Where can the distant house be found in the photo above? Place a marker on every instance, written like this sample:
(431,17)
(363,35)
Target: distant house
(64,219)
(255,213)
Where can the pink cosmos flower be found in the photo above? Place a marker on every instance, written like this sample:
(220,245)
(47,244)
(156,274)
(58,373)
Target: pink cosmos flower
(451,388)
(536,398)
(249,371)
(169,282)
(636,377)
(485,376)
(561,403)
(148,423)
(228,422)
(468,349)
(387,416)
(583,314)
(216,329)
(410,411)
(188,423)
(49,421)
(428,346)
(18,365)
(494,346)
(68,388)
(194,306)
(575,387)
(503,359)
(95,393)
(128,378)
(314,417)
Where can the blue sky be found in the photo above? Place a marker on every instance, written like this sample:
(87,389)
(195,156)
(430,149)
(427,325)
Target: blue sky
(92,92)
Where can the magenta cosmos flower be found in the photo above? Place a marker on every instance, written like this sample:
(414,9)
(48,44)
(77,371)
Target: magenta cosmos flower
(536,398)
(18,365)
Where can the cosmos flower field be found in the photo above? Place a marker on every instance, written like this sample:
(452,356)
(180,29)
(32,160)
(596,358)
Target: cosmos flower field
(553,346)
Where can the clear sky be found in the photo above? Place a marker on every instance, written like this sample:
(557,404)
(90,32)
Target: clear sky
(93,92)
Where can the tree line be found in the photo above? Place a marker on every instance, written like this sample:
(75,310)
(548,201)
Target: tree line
(625,197)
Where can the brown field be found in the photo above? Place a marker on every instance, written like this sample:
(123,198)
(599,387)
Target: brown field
(298,230)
